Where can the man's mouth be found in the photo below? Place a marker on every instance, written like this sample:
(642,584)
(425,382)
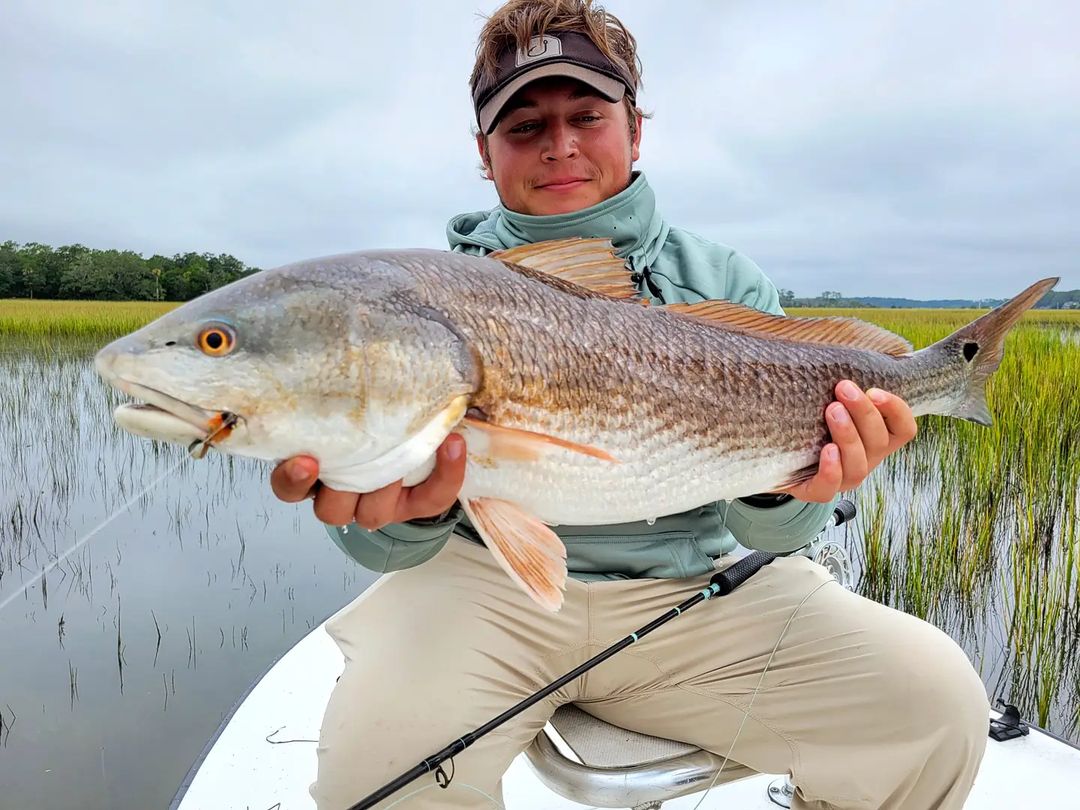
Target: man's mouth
(564,183)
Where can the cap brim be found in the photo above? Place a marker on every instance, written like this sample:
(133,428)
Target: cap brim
(609,88)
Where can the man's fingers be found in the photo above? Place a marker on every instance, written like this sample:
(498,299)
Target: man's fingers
(438,493)
(293,478)
(846,437)
(375,509)
(873,433)
(334,507)
(296,478)
(830,475)
(899,420)
(865,428)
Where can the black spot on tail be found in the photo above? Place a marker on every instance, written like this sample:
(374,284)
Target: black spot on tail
(983,344)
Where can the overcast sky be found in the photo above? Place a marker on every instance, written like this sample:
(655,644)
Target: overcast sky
(913,148)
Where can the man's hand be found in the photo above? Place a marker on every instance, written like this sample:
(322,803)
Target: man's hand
(295,479)
(864,428)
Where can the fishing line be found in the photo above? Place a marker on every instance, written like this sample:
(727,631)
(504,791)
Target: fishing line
(473,788)
(761,681)
(200,446)
(727,757)
(80,543)
(720,584)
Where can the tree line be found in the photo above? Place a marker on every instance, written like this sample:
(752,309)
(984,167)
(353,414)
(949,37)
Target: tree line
(1055,299)
(34,270)
(829,298)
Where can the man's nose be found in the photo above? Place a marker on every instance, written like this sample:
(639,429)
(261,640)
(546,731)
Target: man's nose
(561,142)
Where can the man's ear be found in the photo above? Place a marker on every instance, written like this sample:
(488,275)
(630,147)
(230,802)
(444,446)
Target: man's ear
(485,159)
(635,142)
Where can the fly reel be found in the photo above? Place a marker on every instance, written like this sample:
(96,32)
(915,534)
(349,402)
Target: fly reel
(835,559)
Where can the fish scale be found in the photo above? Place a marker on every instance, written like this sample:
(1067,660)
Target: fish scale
(572,395)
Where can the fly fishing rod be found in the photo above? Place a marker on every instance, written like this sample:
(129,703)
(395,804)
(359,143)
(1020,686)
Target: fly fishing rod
(721,584)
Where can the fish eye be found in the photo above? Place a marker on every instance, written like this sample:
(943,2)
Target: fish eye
(216,340)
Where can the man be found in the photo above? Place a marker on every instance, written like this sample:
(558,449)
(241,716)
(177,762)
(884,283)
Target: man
(865,706)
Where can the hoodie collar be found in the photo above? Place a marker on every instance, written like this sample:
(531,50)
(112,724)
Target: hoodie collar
(629,220)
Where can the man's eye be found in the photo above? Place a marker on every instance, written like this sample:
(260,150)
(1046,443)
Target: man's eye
(526,126)
(588,118)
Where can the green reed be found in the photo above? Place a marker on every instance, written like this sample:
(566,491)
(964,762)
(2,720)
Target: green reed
(975,528)
(43,320)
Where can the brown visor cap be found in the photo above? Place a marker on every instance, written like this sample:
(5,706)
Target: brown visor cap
(566,54)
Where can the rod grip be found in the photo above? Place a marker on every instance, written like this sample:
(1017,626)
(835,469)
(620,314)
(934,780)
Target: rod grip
(735,575)
(844,511)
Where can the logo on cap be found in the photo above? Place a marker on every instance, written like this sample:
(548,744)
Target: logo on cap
(543,47)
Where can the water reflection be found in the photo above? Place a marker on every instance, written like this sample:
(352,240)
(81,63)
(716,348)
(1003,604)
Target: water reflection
(122,660)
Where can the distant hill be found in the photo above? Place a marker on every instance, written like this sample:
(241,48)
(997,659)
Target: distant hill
(1061,299)
(936,303)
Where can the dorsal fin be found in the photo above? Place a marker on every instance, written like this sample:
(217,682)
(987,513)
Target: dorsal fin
(592,264)
(849,332)
(589,263)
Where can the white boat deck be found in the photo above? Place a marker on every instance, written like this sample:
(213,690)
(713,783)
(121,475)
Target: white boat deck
(249,766)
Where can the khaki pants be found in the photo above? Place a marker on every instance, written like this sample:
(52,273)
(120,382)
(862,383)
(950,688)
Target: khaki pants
(864,705)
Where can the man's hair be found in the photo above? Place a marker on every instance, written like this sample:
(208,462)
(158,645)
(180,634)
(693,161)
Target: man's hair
(514,23)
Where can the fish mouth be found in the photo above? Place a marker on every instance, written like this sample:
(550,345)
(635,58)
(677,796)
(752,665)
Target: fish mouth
(160,416)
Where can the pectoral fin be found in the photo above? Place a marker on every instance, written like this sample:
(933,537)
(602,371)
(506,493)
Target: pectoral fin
(523,445)
(526,548)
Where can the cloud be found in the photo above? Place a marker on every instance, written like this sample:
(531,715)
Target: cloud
(887,148)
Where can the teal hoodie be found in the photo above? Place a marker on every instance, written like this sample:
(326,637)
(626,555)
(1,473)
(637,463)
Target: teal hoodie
(668,265)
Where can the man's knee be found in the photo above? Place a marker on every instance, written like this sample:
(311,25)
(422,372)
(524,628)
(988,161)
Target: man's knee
(371,732)
(943,698)
(962,698)
(925,730)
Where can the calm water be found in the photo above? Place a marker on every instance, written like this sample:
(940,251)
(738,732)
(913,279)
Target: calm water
(121,663)
(119,666)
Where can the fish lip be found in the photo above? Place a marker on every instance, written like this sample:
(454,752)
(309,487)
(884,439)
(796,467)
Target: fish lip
(195,416)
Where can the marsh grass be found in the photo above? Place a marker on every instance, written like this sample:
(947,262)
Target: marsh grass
(976,529)
(188,546)
(45,320)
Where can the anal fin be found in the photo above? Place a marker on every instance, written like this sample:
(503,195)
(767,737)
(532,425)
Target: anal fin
(800,476)
(526,548)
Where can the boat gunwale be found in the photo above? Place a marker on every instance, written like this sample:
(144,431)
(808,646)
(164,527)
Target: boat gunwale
(192,771)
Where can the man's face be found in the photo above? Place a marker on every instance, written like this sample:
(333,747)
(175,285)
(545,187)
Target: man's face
(559,147)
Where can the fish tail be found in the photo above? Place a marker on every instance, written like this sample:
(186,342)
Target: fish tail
(981,344)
